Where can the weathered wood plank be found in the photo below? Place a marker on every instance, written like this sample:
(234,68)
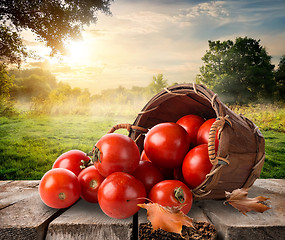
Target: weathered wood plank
(14,191)
(23,215)
(87,221)
(5,182)
(231,224)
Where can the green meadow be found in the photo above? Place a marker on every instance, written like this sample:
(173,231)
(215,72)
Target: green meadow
(30,144)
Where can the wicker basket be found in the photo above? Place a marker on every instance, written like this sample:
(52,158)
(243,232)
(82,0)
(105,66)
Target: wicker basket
(241,154)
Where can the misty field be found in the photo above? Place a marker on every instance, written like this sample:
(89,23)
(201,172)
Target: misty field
(29,145)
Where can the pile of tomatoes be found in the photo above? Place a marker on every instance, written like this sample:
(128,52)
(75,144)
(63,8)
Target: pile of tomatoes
(117,177)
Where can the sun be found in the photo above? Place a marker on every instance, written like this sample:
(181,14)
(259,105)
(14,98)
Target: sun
(77,53)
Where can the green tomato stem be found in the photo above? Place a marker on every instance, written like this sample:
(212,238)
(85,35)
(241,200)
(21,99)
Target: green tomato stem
(179,194)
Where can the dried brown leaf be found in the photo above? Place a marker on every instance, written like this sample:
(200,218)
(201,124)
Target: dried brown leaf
(170,219)
(239,199)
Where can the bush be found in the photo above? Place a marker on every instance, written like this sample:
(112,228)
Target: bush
(265,116)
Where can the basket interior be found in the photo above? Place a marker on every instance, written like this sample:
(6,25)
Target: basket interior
(170,107)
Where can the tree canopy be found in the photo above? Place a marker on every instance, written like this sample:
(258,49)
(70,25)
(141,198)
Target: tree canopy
(239,71)
(280,79)
(6,83)
(158,83)
(52,21)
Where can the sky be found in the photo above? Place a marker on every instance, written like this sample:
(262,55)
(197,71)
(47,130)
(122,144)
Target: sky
(143,38)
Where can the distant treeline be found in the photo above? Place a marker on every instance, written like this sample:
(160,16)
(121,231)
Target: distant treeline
(38,92)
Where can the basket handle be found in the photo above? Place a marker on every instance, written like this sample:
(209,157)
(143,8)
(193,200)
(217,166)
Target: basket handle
(218,125)
(127,126)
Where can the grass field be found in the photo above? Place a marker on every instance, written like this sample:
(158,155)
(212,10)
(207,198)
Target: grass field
(29,145)
(274,166)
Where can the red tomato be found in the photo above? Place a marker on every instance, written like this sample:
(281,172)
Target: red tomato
(148,174)
(72,160)
(177,174)
(144,156)
(203,133)
(59,188)
(172,193)
(90,179)
(196,166)
(191,123)
(166,145)
(119,195)
(116,153)
(167,173)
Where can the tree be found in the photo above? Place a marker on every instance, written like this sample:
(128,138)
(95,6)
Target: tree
(52,21)
(280,79)
(158,83)
(239,71)
(6,84)
(12,49)
(31,83)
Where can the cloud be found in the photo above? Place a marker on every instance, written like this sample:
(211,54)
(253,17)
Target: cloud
(214,9)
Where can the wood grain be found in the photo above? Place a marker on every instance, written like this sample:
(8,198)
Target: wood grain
(23,215)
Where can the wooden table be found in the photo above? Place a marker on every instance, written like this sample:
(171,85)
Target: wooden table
(24,216)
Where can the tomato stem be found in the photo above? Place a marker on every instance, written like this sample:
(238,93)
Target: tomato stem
(93,184)
(96,154)
(86,164)
(179,194)
(61,196)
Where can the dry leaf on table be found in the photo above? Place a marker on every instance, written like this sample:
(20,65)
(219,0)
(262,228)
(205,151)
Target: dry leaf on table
(170,219)
(239,200)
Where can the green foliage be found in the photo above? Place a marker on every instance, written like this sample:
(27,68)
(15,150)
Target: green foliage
(45,96)
(158,84)
(240,71)
(268,117)
(280,79)
(12,49)
(52,21)
(39,90)
(46,75)
(31,87)
(6,84)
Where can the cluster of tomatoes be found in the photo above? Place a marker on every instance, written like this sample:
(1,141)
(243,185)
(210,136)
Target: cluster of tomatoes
(174,161)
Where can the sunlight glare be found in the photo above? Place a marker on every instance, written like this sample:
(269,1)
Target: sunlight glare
(77,53)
